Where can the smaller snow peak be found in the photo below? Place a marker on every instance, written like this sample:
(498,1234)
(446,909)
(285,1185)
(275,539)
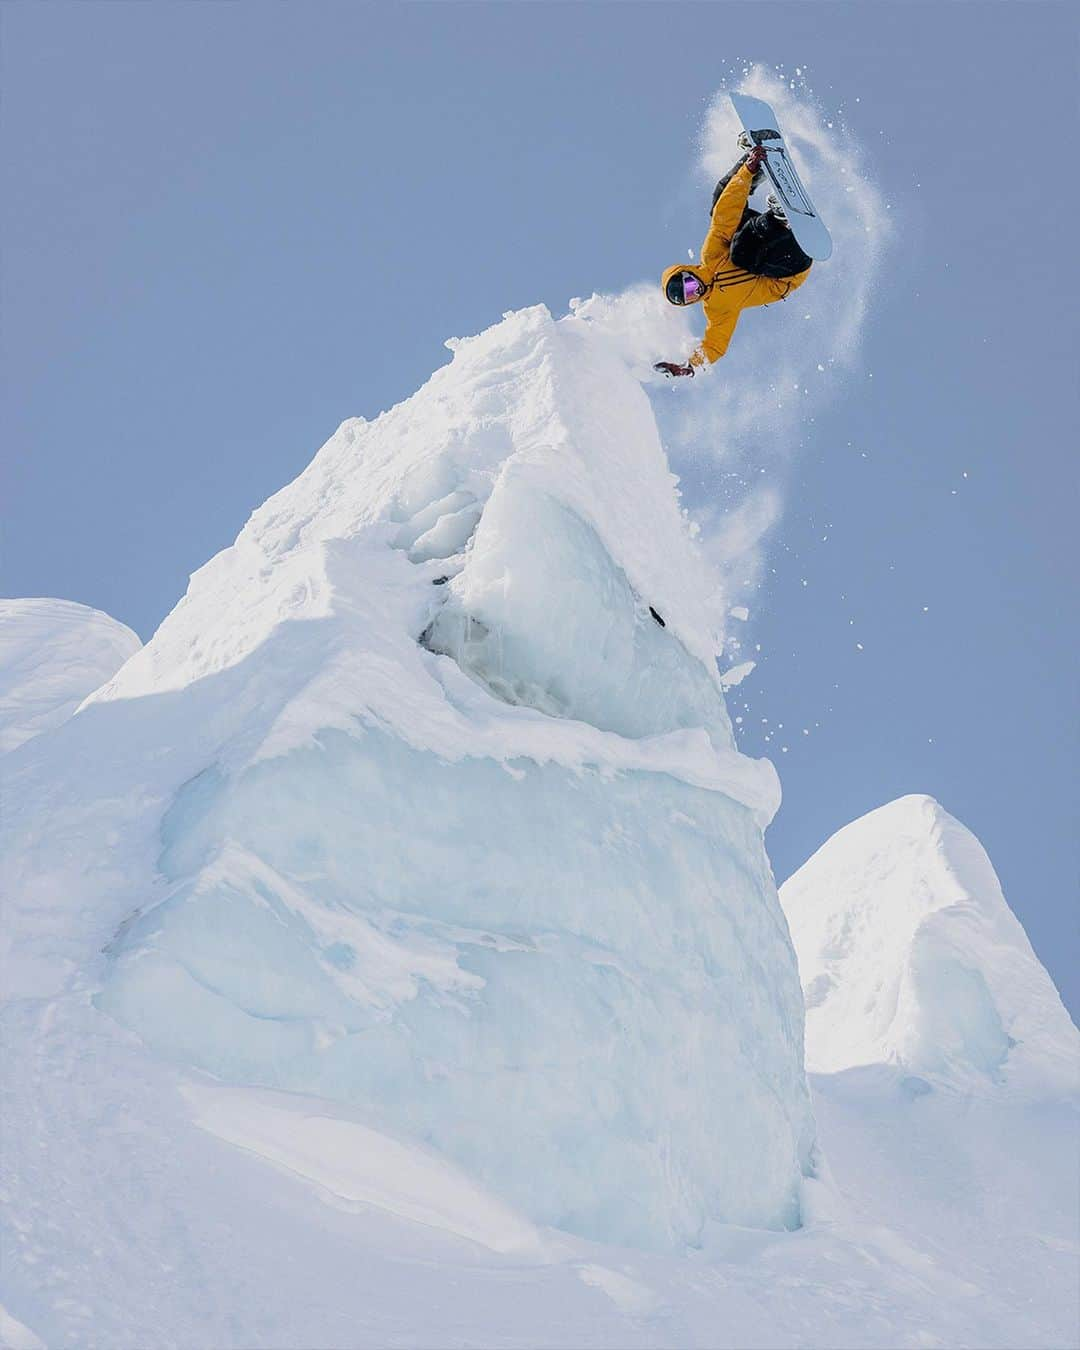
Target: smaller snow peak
(915,812)
(53,654)
(910,955)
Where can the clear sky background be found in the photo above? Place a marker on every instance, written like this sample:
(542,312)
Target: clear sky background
(228,226)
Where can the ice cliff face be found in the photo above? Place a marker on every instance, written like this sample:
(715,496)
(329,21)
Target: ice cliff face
(911,956)
(53,653)
(412,803)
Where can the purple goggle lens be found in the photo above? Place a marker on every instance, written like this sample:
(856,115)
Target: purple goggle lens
(691,288)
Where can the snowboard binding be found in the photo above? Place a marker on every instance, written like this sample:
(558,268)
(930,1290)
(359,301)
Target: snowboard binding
(775,206)
(749,139)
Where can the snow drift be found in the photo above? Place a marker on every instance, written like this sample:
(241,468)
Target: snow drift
(910,956)
(424,800)
(53,653)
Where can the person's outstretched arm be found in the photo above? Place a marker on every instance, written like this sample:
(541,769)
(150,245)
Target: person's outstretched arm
(717,336)
(711,348)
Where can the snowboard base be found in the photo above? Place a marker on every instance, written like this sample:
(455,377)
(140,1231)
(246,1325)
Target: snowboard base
(762,128)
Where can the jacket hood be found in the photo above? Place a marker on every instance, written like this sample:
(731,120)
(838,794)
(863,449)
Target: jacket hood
(697,270)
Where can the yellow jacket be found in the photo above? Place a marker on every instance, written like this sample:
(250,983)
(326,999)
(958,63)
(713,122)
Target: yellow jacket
(730,289)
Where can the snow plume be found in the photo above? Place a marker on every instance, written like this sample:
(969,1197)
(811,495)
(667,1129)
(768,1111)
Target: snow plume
(732,432)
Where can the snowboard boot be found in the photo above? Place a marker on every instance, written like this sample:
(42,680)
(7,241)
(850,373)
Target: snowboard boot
(775,207)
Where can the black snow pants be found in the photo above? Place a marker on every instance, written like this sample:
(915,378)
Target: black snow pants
(762,244)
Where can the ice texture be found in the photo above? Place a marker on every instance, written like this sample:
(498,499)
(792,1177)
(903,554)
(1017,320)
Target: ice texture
(910,956)
(445,816)
(53,653)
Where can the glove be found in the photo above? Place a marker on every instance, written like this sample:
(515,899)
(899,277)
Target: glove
(670,368)
(756,158)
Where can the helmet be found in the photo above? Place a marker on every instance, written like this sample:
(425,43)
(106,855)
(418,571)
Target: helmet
(684,288)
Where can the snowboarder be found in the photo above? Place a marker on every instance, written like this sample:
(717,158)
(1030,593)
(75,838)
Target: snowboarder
(748,258)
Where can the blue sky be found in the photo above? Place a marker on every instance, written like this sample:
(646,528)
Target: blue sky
(229,226)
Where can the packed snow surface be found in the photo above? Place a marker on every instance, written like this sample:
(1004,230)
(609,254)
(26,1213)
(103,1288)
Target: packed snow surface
(53,653)
(910,956)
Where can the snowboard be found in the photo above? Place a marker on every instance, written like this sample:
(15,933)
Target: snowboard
(761,125)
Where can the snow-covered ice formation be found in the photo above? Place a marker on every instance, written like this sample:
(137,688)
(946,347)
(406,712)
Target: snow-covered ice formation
(910,956)
(426,802)
(53,653)
(417,855)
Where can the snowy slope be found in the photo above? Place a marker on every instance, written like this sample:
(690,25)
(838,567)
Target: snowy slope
(412,805)
(910,956)
(53,653)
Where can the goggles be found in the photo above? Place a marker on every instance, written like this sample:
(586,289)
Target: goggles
(692,289)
